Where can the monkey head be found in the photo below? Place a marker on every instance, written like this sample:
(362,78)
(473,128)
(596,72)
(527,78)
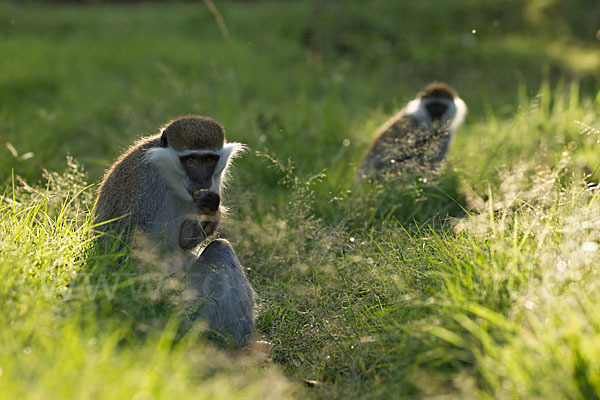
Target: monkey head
(439,104)
(192,157)
(436,97)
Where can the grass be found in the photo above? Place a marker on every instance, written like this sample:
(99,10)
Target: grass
(478,284)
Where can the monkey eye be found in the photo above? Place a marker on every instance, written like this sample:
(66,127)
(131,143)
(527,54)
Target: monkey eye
(197,160)
(191,162)
(210,158)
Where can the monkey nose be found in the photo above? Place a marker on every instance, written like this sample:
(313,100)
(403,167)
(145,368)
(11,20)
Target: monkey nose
(207,202)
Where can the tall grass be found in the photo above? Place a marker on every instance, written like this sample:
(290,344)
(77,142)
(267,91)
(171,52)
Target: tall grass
(477,283)
(455,286)
(76,327)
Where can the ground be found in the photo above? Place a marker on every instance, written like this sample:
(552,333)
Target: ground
(480,283)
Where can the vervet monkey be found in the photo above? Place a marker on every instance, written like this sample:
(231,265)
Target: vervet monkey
(168,187)
(417,138)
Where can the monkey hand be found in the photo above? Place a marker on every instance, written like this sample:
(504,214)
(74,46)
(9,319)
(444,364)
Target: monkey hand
(195,229)
(207,202)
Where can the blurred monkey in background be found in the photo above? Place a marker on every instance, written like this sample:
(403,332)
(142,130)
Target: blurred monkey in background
(417,138)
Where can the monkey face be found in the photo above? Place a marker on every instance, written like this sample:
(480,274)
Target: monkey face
(201,171)
(438,100)
(436,110)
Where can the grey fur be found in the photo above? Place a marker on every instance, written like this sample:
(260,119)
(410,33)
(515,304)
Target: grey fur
(134,196)
(224,296)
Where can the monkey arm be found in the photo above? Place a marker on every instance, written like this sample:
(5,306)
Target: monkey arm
(197,227)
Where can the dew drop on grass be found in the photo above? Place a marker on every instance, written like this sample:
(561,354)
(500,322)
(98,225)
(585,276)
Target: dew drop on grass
(367,339)
(590,247)
(530,305)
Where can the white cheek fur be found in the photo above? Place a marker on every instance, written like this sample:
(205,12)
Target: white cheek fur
(416,109)
(166,160)
(227,153)
(461,112)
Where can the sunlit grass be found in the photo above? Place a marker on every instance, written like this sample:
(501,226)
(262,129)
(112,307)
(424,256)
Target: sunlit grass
(73,329)
(478,283)
(438,288)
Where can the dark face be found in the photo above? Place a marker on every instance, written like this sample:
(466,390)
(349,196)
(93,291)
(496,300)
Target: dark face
(437,95)
(200,169)
(436,109)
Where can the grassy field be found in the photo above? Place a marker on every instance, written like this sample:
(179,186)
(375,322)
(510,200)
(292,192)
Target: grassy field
(480,283)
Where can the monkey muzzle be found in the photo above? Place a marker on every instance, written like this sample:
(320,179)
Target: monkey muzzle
(206,201)
(436,110)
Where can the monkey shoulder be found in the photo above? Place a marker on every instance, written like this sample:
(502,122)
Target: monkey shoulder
(126,181)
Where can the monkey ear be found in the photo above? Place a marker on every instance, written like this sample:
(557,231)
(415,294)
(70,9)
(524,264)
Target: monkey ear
(163,139)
